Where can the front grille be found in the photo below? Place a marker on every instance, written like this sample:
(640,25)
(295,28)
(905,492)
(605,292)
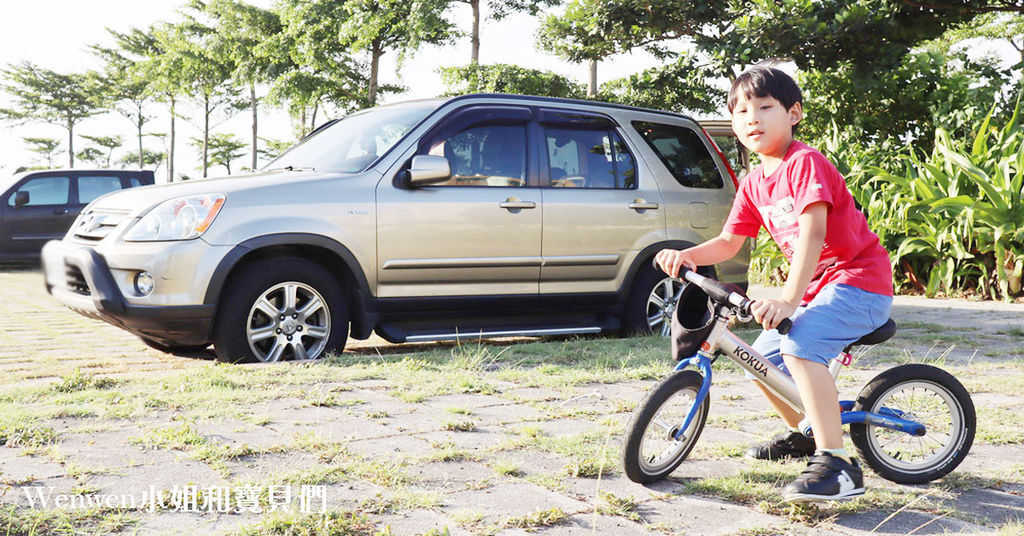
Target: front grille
(76,281)
(97,224)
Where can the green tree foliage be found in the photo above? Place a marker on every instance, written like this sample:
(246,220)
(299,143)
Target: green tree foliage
(504,78)
(161,65)
(925,91)
(322,72)
(106,145)
(224,149)
(379,26)
(680,86)
(44,147)
(249,37)
(207,72)
(126,86)
(47,96)
(147,157)
(993,26)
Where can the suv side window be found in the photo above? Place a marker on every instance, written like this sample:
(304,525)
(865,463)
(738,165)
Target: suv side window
(588,158)
(484,147)
(683,153)
(44,191)
(89,188)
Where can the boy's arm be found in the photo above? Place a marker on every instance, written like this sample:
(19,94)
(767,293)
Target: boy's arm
(721,248)
(806,255)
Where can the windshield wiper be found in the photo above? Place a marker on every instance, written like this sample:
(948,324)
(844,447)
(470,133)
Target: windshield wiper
(291,168)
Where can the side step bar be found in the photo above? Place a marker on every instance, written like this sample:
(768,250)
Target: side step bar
(511,333)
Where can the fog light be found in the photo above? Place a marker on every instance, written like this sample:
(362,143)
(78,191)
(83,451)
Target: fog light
(144,283)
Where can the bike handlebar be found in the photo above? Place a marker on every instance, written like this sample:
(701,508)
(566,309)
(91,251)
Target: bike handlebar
(725,296)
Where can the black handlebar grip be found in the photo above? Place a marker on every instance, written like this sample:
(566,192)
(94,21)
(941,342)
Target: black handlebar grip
(784,326)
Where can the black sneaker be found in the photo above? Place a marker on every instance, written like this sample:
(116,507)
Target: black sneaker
(788,445)
(826,478)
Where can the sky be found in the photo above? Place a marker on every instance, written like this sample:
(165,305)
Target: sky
(55,34)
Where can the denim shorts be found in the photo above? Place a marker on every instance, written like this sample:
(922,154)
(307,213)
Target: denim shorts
(837,316)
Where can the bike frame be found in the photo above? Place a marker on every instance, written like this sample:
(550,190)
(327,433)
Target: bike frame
(721,341)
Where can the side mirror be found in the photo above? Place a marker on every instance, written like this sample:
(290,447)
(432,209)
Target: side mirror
(427,169)
(21,198)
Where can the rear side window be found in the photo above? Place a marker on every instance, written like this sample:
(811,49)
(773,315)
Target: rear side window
(90,188)
(683,153)
(585,158)
(44,191)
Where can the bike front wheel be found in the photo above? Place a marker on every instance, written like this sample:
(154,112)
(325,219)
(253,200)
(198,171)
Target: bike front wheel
(921,393)
(650,450)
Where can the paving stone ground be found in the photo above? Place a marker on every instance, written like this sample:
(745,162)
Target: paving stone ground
(483,486)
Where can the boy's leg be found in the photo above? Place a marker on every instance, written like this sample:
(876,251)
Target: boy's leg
(820,399)
(789,444)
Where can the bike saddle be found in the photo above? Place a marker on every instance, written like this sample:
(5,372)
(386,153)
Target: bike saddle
(881,334)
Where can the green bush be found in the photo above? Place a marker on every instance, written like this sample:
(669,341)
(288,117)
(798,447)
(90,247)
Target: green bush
(952,220)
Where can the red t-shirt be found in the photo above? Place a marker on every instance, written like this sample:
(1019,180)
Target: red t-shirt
(852,254)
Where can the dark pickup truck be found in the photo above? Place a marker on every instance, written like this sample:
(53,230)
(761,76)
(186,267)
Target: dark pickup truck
(38,206)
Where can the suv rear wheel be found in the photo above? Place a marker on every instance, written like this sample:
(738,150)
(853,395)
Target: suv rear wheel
(281,308)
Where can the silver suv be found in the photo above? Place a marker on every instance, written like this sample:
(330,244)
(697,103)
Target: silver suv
(479,215)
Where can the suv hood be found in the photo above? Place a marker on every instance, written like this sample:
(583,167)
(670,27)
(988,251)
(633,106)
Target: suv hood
(140,199)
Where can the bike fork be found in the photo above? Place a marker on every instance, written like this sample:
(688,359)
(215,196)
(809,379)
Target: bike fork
(703,362)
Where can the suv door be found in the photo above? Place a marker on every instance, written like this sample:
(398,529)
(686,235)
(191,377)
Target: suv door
(45,217)
(478,233)
(599,210)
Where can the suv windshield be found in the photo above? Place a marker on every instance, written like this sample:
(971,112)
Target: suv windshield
(353,143)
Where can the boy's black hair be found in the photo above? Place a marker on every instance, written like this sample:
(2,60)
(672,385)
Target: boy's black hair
(763,81)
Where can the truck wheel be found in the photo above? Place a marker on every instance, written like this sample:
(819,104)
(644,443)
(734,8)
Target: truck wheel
(281,308)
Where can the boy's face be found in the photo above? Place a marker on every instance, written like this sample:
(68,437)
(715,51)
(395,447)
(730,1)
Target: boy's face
(764,125)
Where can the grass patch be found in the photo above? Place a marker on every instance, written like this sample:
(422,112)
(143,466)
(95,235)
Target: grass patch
(613,505)
(591,453)
(26,433)
(80,381)
(16,521)
(326,524)
(540,518)
(459,426)
(1000,425)
(507,468)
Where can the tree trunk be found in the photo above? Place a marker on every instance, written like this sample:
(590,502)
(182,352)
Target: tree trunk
(255,140)
(302,123)
(475,37)
(592,87)
(206,133)
(375,54)
(71,144)
(170,151)
(312,120)
(139,125)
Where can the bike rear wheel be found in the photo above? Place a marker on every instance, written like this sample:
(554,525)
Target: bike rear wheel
(925,394)
(650,451)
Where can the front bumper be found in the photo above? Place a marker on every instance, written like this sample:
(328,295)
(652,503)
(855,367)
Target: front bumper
(78,276)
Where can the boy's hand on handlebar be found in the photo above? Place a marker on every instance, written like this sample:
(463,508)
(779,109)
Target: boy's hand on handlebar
(670,260)
(770,312)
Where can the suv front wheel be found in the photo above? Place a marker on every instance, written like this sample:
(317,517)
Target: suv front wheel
(281,308)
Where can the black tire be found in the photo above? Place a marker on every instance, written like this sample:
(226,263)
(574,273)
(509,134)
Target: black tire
(639,309)
(174,349)
(931,396)
(643,466)
(288,334)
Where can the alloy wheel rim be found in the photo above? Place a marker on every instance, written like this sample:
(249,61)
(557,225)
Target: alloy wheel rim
(288,320)
(661,305)
(925,402)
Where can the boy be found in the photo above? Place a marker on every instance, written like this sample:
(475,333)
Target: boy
(839,286)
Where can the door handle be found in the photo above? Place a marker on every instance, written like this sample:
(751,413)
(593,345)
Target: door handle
(641,205)
(60,211)
(514,203)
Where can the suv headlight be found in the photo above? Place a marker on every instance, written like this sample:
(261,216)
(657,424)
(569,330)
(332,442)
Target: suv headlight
(183,218)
